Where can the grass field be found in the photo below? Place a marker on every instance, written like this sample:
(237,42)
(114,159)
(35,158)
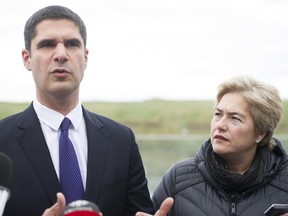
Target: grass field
(166,131)
(154,117)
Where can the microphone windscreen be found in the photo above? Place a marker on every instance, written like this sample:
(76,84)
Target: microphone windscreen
(81,208)
(6,167)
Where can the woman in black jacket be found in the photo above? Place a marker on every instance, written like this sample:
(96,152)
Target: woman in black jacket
(241,169)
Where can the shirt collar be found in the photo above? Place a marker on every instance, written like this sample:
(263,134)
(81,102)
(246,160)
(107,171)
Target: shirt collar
(53,118)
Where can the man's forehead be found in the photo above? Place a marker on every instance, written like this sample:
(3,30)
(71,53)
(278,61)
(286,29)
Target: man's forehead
(57,29)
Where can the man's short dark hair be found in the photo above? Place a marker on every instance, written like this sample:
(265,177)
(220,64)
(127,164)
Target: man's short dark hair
(51,12)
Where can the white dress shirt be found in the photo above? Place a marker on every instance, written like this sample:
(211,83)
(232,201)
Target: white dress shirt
(51,120)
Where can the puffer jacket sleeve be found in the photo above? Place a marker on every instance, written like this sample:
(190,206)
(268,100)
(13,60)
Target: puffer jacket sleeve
(180,176)
(165,188)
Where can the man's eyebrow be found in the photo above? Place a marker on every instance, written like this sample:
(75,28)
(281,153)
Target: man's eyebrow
(73,40)
(45,41)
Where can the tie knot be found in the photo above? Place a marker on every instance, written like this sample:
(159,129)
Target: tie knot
(65,124)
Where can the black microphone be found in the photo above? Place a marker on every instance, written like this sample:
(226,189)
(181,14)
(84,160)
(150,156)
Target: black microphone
(6,167)
(81,208)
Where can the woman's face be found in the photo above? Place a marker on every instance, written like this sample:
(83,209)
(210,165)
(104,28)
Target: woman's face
(232,129)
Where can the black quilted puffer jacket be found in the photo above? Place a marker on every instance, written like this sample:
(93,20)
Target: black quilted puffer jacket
(195,193)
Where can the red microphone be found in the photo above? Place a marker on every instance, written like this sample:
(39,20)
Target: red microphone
(81,208)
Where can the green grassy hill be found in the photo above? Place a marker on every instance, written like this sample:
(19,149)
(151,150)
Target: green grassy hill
(154,117)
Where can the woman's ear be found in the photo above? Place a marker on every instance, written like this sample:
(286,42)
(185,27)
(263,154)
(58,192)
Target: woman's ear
(260,137)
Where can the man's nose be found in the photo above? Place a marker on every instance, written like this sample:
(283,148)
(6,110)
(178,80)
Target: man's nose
(60,54)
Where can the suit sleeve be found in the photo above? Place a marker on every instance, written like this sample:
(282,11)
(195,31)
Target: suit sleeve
(138,197)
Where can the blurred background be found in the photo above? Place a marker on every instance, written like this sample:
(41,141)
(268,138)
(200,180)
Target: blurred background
(165,49)
(166,131)
(154,65)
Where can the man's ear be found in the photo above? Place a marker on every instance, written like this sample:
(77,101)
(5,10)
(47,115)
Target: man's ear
(86,57)
(26,59)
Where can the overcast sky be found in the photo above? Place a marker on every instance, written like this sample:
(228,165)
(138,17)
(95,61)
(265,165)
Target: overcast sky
(166,49)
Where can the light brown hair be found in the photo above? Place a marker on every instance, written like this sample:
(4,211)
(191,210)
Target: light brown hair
(265,104)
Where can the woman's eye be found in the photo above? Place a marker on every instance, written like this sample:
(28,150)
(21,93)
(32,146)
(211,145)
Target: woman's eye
(217,114)
(236,118)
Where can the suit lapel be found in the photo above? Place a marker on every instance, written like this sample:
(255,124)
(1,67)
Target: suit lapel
(97,154)
(34,145)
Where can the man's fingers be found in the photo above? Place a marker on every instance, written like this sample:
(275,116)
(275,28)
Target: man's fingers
(142,214)
(61,201)
(165,207)
(57,208)
(163,210)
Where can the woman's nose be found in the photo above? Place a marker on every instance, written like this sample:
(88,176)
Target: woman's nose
(221,123)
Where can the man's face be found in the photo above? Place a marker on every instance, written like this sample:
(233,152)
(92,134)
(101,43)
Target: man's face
(57,60)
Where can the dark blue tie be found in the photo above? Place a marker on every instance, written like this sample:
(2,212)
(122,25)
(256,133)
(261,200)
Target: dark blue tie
(70,176)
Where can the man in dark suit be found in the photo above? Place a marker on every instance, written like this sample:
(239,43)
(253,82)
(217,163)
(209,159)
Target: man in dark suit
(112,171)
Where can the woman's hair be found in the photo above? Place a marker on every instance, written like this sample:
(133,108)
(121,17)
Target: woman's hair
(51,12)
(264,102)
